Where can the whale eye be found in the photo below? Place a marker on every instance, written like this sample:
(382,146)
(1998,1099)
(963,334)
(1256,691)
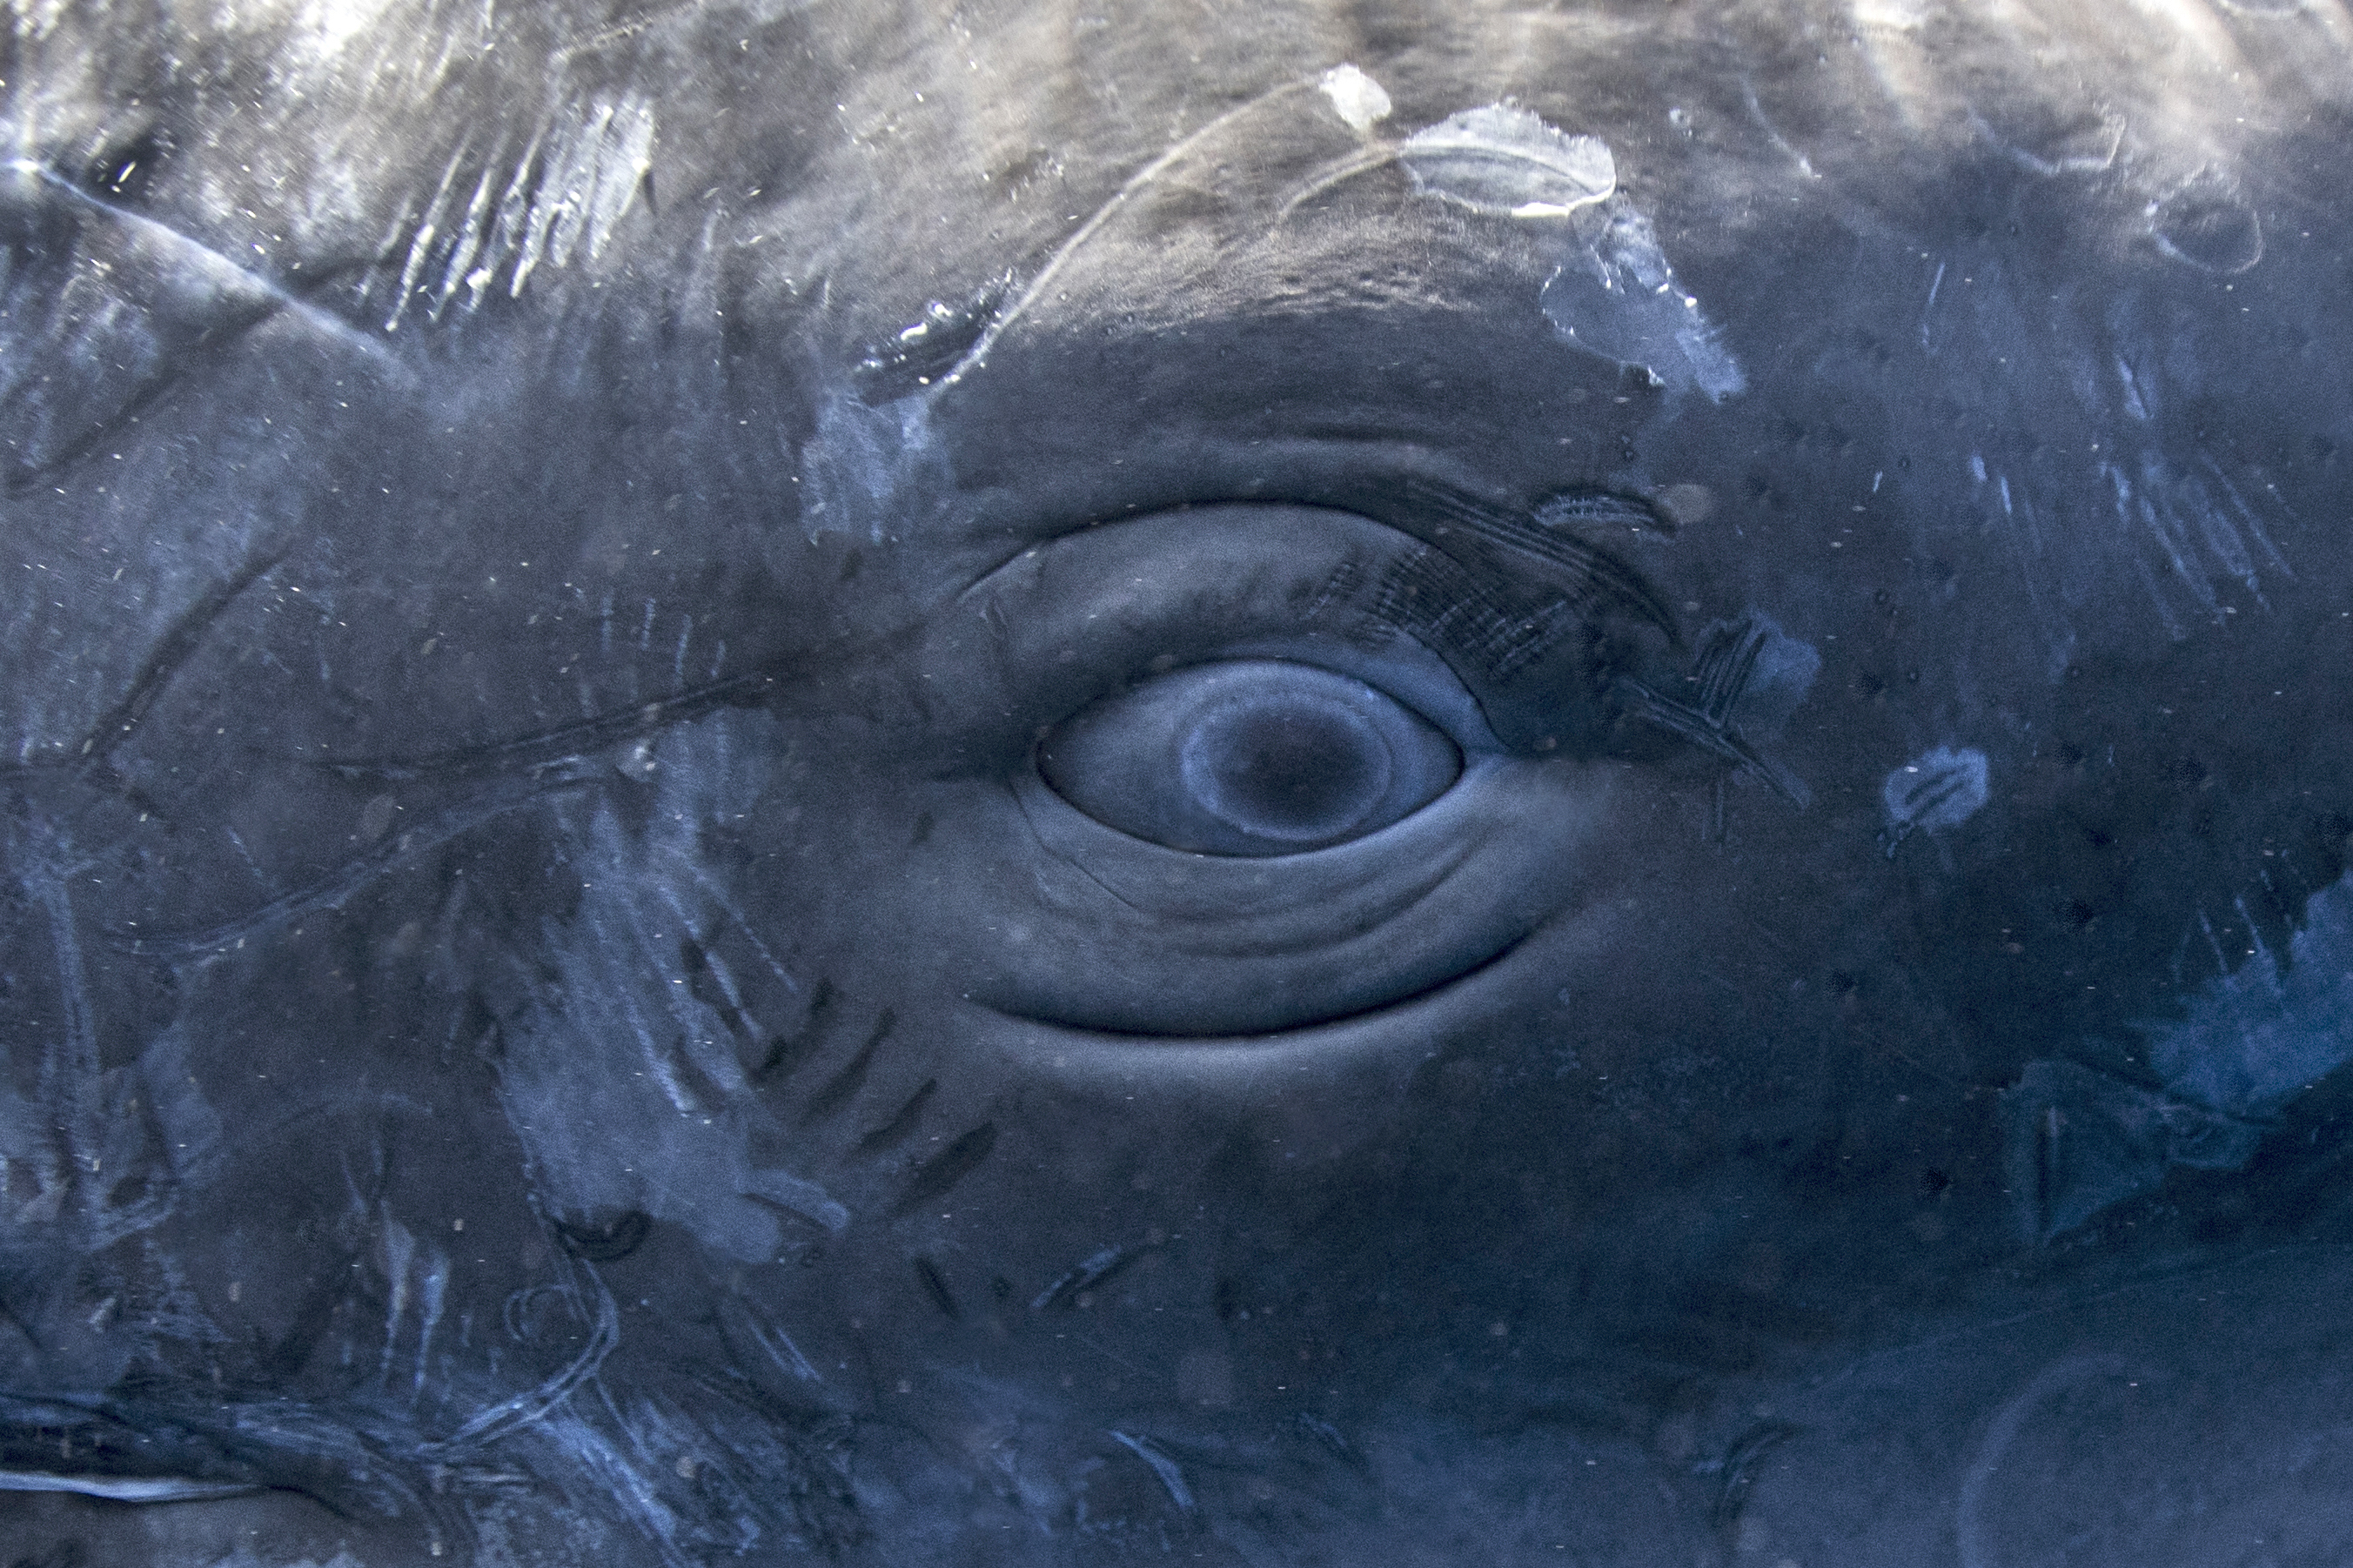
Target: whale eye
(1249,757)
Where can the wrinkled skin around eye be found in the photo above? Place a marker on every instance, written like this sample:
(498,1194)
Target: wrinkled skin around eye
(1117,867)
(1249,757)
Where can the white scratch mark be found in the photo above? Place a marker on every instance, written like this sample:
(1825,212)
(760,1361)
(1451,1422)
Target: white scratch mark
(782,1352)
(529,1408)
(462,254)
(420,246)
(2134,404)
(1140,181)
(577,190)
(719,895)
(1162,1466)
(436,1291)
(514,212)
(2007,1423)
(1772,132)
(399,1251)
(2254,523)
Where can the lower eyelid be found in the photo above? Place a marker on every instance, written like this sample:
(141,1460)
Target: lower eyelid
(1157,883)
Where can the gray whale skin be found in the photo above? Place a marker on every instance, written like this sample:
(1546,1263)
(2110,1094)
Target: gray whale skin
(1319,784)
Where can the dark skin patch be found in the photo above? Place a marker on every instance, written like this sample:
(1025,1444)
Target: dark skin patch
(787,1052)
(935,1286)
(843,1086)
(943,1171)
(605,1241)
(896,1130)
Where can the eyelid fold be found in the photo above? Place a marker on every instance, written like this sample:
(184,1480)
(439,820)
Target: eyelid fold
(1249,757)
(1121,935)
(1069,622)
(1485,636)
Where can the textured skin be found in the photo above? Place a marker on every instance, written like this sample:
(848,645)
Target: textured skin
(549,1016)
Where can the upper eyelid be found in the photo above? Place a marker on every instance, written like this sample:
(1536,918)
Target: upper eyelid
(1491,588)
(1488,588)
(1433,597)
(1494,588)
(1484,540)
(1586,572)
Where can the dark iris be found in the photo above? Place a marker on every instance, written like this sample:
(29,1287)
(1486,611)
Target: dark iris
(1249,757)
(1286,766)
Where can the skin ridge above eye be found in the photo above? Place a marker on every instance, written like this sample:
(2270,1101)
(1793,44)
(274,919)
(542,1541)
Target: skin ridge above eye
(1493,583)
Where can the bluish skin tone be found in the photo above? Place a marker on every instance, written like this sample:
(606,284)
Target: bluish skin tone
(564,798)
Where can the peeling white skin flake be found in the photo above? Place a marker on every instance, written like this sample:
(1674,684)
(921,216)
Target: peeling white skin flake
(1355,98)
(1618,298)
(1612,292)
(1504,160)
(2257,1036)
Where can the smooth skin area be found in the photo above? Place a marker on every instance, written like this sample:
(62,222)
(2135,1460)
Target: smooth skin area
(1337,786)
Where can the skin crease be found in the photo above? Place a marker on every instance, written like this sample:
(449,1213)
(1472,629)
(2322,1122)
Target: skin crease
(661,1069)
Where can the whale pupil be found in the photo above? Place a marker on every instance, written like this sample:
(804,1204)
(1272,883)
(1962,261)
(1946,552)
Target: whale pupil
(1295,768)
